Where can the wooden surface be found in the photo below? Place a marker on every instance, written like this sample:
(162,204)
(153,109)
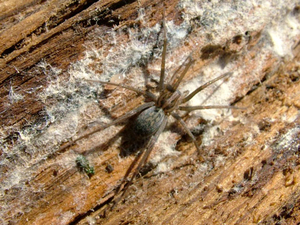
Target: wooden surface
(251,173)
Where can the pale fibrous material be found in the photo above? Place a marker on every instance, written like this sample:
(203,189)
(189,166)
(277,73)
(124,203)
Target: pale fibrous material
(73,103)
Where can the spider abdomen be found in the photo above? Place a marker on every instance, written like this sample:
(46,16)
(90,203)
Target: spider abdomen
(148,122)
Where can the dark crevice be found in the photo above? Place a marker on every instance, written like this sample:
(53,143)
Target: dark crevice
(52,22)
(237,39)
(68,12)
(82,216)
(13,48)
(103,17)
(210,51)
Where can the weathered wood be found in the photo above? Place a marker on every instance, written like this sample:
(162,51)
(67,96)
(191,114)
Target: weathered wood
(251,173)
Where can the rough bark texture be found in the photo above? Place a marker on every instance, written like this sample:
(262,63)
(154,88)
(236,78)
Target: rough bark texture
(251,169)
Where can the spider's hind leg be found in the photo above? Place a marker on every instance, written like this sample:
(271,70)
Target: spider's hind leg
(134,168)
(187,130)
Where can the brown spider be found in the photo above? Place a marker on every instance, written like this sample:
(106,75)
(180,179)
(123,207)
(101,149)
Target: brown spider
(152,116)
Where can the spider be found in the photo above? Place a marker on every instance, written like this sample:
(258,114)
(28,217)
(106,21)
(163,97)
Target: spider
(152,116)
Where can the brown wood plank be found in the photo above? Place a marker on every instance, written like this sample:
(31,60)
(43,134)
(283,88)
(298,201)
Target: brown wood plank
(251,170)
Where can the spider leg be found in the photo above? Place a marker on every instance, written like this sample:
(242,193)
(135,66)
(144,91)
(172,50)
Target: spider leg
(163,60)
(116,200)
(129,170)
(200,107)
(119,120)
(163,64)
(137,90)
(191,95)
(178,69)
(183,124)
(187,67)
(150,146)
(142,157)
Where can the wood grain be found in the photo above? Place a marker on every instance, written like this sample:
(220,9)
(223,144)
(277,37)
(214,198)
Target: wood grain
(251,173)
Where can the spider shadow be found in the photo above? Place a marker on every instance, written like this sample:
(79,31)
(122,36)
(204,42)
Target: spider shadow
(130,144)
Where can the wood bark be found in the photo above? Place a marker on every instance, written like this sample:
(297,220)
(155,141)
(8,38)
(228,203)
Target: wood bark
(251,169)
